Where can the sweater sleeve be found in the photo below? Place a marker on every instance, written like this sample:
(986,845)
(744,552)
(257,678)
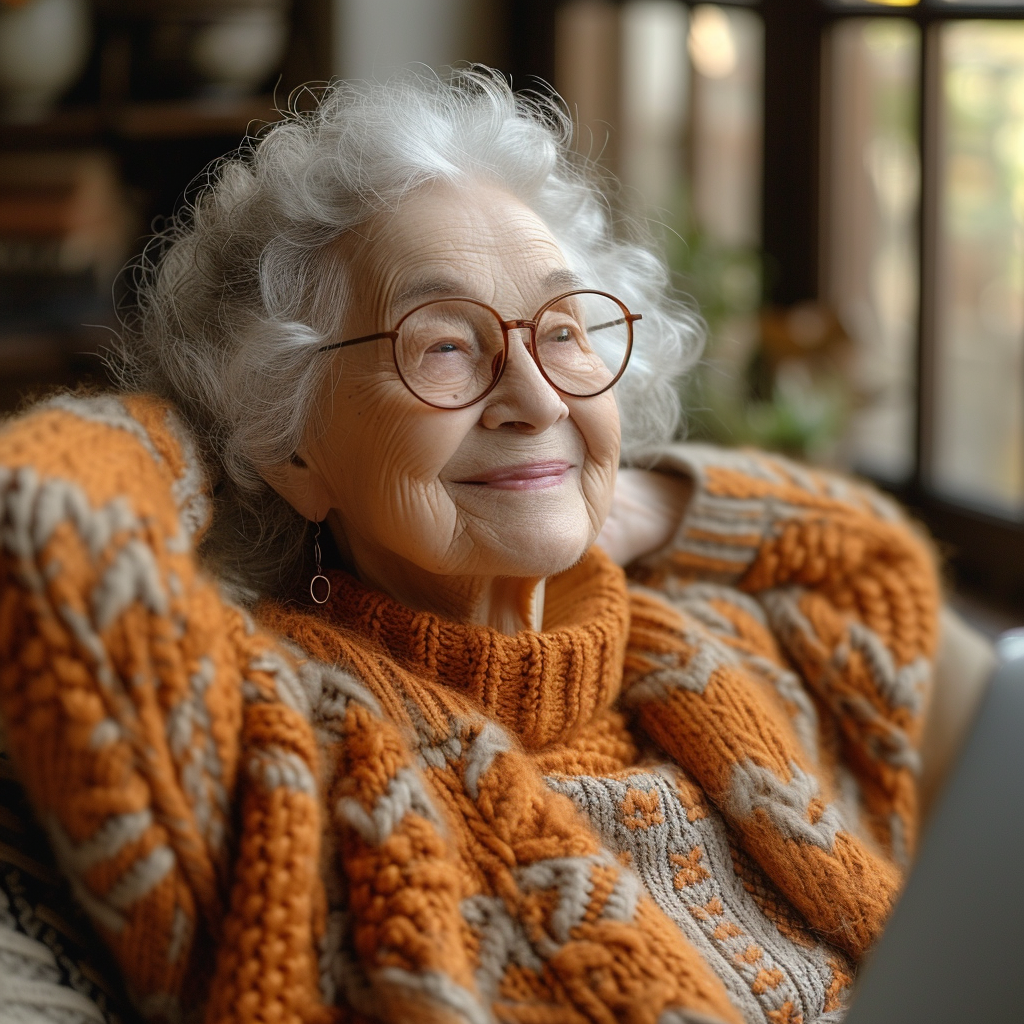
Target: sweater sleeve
(823,602)
(128,690)
(841,574)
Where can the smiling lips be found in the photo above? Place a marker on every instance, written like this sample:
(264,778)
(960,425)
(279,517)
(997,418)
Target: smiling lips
(531,476)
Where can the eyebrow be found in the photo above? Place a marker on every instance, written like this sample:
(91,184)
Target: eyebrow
(562,278)
(446,286)
(426,288)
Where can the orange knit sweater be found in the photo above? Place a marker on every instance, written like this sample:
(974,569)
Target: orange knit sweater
(687,799)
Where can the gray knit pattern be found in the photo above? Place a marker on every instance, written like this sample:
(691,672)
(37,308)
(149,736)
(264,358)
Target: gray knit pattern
(52,969)
(32,990)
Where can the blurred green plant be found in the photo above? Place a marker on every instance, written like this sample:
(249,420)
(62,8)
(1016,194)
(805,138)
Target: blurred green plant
(741,392)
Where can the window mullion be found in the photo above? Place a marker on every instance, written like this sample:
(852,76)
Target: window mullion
(930,148)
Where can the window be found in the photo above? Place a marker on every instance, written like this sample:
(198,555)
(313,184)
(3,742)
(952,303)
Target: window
(669,97)
(872,155)
(871,198)
(922,252)
(977,452)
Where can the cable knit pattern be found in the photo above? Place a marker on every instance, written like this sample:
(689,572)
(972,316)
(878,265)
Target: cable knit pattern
(687,799)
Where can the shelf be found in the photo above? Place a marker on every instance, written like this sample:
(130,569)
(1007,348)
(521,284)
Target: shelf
(23,350)
(136,122)
(67,126)
(191,118)
(34,362)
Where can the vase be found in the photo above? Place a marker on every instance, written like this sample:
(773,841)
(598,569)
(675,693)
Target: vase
(234,52)
(44,45)
(224,48)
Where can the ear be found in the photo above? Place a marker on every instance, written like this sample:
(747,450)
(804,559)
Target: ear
(301,486)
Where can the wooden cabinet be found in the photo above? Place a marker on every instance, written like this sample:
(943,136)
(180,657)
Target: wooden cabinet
(156,130)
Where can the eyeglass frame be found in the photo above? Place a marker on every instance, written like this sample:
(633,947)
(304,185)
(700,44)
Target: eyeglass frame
(515,324)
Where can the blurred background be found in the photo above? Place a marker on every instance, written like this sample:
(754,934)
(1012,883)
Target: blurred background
(838,184)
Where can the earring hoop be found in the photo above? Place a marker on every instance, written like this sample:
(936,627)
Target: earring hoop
(319,572)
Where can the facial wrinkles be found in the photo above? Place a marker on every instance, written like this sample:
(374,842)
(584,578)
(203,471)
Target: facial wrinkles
(597,480)
(401,461)
(397,469)
(400,468)
(512,290)
(496,272)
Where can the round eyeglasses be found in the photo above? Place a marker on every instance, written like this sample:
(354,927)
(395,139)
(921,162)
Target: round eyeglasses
(452,352)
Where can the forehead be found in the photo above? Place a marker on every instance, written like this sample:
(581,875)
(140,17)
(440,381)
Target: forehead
(475,240)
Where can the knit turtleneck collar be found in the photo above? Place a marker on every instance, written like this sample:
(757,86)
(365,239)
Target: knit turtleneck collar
(542,686)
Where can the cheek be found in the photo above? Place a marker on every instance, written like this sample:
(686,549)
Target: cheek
(387,456)
(597,420)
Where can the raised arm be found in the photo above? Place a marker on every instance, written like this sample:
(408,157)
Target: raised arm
(822,605)
(847,585)
(649,508)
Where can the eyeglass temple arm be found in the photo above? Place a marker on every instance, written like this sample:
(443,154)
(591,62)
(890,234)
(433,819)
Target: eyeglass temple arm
(632,319)
(358,341)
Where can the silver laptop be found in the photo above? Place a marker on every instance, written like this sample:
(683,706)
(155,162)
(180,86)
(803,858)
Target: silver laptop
(954,949)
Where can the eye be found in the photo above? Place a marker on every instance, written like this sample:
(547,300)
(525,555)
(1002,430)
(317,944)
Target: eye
(443,347)
(565,333)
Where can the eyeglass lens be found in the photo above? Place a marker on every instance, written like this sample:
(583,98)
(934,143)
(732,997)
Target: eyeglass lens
(449,351)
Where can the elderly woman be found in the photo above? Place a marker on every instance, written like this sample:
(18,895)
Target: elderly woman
(331,705)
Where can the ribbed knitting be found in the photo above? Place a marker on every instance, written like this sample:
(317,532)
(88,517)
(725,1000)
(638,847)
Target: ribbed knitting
(688,798)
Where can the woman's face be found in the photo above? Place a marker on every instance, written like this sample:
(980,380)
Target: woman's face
(515,485)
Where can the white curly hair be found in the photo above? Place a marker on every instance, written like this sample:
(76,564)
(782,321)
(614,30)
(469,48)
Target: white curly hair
(232,301)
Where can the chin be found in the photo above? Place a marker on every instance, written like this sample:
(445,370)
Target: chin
(549,558)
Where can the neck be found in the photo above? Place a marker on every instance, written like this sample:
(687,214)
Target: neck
(508,604)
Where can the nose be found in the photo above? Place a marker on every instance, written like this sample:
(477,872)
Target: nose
(523,399)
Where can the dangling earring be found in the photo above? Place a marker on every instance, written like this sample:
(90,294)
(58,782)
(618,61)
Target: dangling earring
(319,573)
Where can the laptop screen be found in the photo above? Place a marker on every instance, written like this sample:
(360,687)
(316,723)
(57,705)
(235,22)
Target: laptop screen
(953,950)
